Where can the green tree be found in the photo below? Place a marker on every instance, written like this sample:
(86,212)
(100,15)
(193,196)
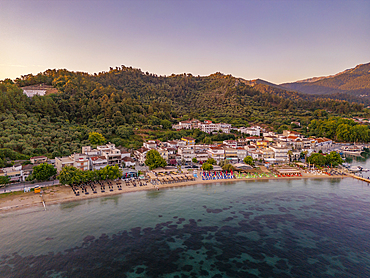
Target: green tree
(333,159)
(166,124)
(154,160)
(4,180)
(194,160)
(207,166)
(124,132)
(228,167)
(43,172)
(211,161)
(207,141)
(70,175)
(317,159)
(249,160)
(96,138)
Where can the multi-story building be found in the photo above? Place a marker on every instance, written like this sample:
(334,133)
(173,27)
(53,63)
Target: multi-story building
(255,154)
(38,159)
(281,153)
(217,153)
(128,161)
(140,155)
(187,153)
(111,153)
(252,131)
(189,141)
(150,145)
(201,157)
(164,153)
(80,161)
(61,162)
(15,173)
(230,143)
(268,154)
(231,155)
(242,153)
(98,162)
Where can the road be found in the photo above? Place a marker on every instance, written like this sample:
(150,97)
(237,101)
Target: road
(20,186)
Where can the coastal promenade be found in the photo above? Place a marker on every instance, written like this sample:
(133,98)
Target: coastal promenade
(22,185)
(61,194)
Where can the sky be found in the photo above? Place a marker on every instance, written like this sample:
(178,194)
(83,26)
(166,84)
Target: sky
(278,41)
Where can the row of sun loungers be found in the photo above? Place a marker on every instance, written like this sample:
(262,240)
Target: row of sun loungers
(173,179)
(93,185)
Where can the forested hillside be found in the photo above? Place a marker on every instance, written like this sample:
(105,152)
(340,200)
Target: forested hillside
(127,105)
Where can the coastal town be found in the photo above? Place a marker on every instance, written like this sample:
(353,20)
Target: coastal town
(272,155)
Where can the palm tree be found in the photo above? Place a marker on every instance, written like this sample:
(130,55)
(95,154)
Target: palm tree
(290,153)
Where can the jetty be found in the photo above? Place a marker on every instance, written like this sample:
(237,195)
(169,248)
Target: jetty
(359,178)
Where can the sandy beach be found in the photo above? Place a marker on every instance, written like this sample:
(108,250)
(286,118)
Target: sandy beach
(61,193)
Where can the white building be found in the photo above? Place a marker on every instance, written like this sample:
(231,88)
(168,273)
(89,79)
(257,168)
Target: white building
(252,131)
(187,153)
(217,153)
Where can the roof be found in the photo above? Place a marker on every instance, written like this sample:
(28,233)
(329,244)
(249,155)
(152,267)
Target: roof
(35,157)
(128,159)
(142,150)
(188,138)
(95,158)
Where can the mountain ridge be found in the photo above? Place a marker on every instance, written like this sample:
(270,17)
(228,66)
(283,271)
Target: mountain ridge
(354,81)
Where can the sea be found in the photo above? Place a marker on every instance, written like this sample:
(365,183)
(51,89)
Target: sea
(275,228)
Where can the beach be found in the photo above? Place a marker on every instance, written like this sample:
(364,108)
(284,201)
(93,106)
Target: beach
(63,193)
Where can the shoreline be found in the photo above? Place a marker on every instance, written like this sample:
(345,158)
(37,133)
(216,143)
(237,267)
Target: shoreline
(63,194)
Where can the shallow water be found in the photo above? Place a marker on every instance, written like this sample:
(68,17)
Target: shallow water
(294,228)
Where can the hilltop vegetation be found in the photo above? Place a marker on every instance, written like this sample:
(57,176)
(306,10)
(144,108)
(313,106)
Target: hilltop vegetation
(127,105)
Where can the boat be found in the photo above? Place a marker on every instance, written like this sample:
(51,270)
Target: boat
(355,169)
(352,150)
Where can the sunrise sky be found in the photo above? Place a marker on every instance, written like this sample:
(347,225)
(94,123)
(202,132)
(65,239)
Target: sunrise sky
(278,41)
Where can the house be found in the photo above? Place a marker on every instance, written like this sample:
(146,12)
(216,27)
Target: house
(80,161)
(172,144)
(27,170)
(252,131)
(323,142)
(230,143)
(128,161)
(291,132)
(98,162)
(241,153)
(38,159)
(15,173)
(256,154)
(38,89)
(189,141)
(164,153)
(150,145)
(61,162)
(210,127)
(125,154)
(140,155)
(111,153)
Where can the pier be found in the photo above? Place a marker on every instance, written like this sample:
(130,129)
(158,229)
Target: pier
(359,178)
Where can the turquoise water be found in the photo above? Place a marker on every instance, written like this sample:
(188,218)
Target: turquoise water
(295,228)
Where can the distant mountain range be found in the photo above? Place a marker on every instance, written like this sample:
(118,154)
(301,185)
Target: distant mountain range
(355,81)
(351,85)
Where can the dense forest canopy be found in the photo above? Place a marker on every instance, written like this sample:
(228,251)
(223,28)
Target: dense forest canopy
(127,105)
